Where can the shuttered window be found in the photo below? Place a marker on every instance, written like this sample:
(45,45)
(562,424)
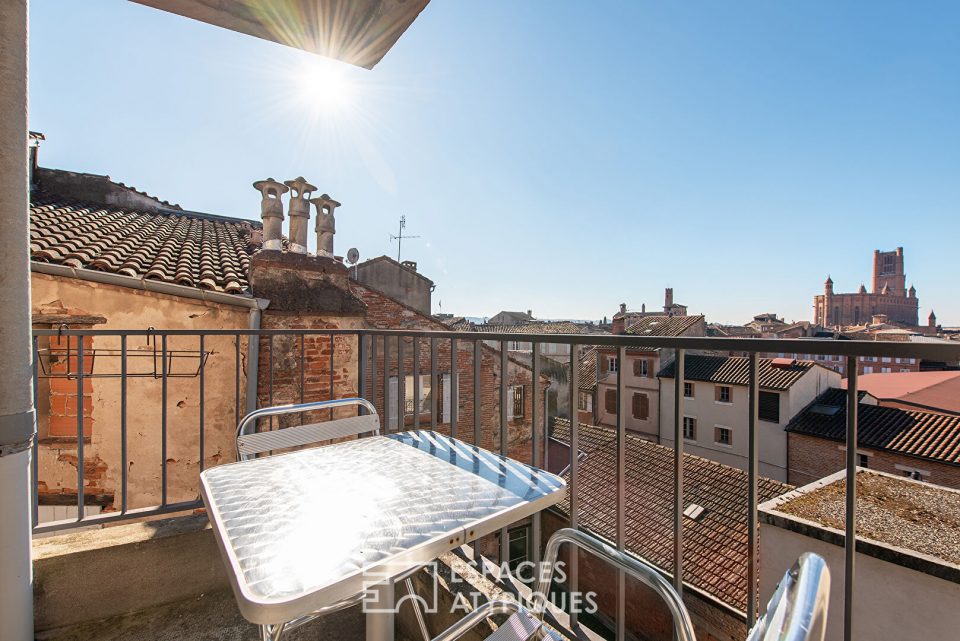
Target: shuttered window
(610,401)
(641,367)
(723,394)
(641,406)
(769,407)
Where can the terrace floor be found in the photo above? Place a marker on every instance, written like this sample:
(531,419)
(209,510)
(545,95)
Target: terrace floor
(210,617)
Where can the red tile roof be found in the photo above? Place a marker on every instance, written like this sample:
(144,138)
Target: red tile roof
(715,544)
(928,390)
(196,250)
(927,435)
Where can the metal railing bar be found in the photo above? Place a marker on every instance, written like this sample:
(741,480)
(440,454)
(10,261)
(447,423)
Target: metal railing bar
(361,370)
(574,579)
(477,363)
(537,445)
(35,446)
(680,357)
(80,366)
(373,377)
(270,377)
(504,440)
(236,380)
(401,388)
(332,364)
(123,423)
(303,373)
(621,492)
(417,383)
(813,346)
(454,387)
(386,384)
(850,538)
(203,367)
(111,517)
(434,386)
(753,469)
(163,423)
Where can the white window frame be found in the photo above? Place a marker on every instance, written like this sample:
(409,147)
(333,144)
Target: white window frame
(716,440)
(425,400)
(691,439)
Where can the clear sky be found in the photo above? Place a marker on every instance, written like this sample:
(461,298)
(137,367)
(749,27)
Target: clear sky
(562,157)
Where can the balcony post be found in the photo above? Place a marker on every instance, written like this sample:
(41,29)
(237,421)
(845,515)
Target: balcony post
(17,419)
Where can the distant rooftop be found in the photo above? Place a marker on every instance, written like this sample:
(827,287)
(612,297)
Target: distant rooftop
(938,391)
(735,370)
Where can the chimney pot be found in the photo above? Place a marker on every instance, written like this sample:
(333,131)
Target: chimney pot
(623,308)
(271,211)
(326,224)
(300,191)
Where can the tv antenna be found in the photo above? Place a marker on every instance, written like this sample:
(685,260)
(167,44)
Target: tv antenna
(399,237)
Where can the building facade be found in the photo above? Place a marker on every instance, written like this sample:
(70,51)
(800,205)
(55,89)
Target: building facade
(889,296)
(716,407)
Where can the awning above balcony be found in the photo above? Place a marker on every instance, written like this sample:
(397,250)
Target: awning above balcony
(359,32)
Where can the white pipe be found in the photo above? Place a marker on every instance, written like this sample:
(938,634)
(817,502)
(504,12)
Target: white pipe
(16,388)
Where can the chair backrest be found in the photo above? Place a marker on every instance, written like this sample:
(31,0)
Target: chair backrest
(797,611)
(250,443)
(647,574)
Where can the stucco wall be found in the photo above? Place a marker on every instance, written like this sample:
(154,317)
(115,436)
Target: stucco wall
(126,308)
(891,602)
(400,283)
(633,384)
(772,439)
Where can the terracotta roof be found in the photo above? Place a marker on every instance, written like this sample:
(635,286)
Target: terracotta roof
(545,327)
(928,390)
(715,544)
(735,370)
(926,435)
(197,250)
(587,369)
(662,325)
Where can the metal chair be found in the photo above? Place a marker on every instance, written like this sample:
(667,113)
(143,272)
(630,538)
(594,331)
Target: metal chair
(250,443)
(524,625)
(797,611)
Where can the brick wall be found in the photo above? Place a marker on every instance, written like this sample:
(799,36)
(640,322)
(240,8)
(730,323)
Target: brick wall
(811,458)
(386,313)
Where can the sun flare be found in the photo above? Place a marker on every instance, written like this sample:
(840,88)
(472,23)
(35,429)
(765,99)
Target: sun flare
(325,86)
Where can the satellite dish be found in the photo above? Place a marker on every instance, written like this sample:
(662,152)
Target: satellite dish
(353,255)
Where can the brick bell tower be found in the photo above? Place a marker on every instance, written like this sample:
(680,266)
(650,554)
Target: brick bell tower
(888,272)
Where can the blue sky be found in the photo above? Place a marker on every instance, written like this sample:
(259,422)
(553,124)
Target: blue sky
(562,157)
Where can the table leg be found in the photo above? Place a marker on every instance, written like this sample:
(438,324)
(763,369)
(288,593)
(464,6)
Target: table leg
(380,617)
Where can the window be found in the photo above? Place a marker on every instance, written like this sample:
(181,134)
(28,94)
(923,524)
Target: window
(904,369)
(515,398)
(586,401)
(868,370)
(916,475)
(885,359)
(688,390)
(641,367)
(723,394)
(689,428)
(519,547)
(723,435)
(863,460)
(885,370)
(426,398)
(612,364)
(610,401)
(641,406)
(769,407)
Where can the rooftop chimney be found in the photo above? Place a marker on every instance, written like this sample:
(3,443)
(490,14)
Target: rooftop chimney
(271,211)
(300,191)
(530,313)
(410,264)
(326,224)
(623,308)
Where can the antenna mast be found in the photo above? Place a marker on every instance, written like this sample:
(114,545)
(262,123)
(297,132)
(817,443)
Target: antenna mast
(399,237)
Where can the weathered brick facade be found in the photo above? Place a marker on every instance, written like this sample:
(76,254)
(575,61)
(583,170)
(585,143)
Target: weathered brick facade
(811,458)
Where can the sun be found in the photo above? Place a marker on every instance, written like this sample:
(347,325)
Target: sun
(325,86)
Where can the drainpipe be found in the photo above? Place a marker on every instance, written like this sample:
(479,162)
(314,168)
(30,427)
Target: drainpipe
(17,418)
(253,354)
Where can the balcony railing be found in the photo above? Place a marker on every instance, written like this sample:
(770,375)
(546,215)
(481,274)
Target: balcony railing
(247,369)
